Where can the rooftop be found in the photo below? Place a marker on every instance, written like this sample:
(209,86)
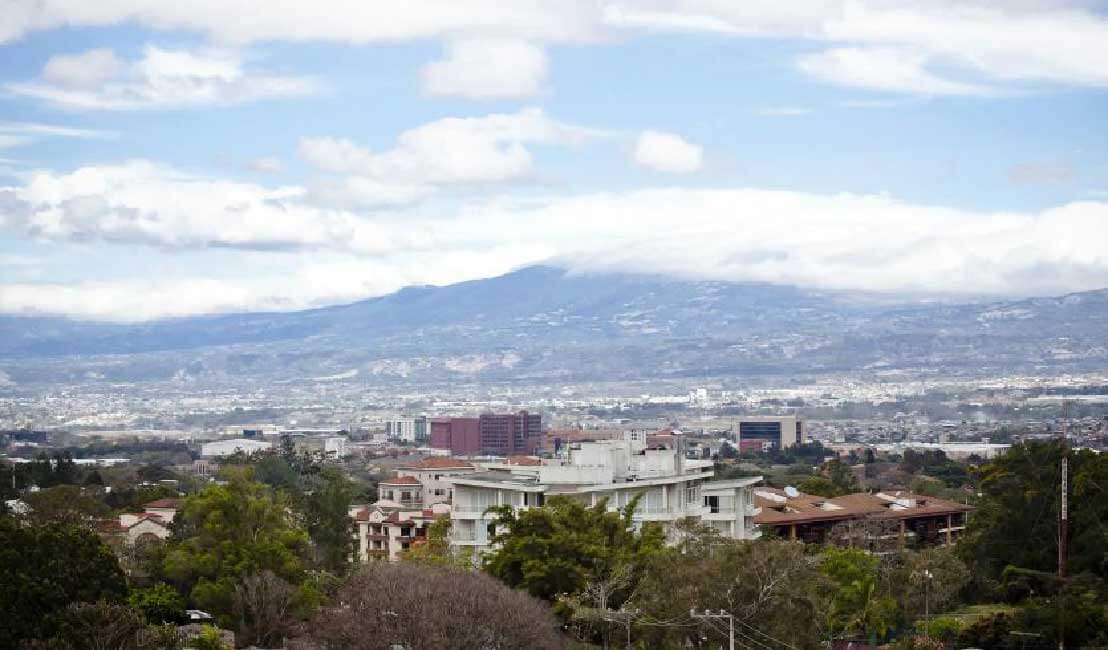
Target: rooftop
(777,507)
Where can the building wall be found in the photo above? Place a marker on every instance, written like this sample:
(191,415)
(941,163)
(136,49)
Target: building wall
(515,433)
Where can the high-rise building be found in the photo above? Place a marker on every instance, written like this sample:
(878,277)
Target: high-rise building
(505,434)
(780,431)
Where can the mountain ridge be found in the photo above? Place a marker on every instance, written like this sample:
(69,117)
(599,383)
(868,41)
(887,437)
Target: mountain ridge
(542,323)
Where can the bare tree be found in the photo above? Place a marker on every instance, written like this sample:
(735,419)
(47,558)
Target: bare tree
(417,608)
(262,606)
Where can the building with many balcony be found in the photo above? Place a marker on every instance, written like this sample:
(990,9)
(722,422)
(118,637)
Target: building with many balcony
(669,488)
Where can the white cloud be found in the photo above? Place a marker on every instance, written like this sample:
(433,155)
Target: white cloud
(160,79)
(140,202)
(487,69)
(840,241)
(86,70)
(668,152)
(885,69)
(783,111)
(17,134)
(267,165)
(987,42)
(348,21)
(449,151)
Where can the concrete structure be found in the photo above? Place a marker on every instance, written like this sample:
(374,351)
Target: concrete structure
(434,474)
(382,534)
(410,430)
(503,434)
(230,447)
(780,431)
(821,520)
(669,486)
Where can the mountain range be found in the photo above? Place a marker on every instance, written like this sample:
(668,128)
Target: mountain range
(543,325)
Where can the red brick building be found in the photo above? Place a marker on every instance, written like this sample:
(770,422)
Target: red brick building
(503,434)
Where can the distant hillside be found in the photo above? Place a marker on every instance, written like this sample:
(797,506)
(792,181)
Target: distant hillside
(540,324)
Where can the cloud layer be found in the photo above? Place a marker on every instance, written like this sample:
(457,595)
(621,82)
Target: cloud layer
(917,46)
(668,152)
(842,241)
(99,80)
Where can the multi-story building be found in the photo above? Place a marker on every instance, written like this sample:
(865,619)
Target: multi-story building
(382,534)
(433,475)
(502,434)
(408,429)
(779,431)
(400,492)
(669,487)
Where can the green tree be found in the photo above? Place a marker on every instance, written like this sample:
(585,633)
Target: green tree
(327,516)
(159,604)
(819,486)
(562,546)
(436,550)
(857,605)
(1016,520)
(771,587)
(108,626)
(227,532)
(45,568)
(65,503)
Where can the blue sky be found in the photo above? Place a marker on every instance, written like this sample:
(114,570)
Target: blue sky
(166,161)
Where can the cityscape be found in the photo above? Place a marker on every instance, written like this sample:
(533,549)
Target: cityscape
(554,325)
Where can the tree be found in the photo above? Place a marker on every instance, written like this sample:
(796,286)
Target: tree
(770,587)
(857,605)
(159,604)
(819,486)
(65,503)
(562,546)
(1016,520)
(228,532)
(420,608)
(45,568)
(263,608)
(108,626)
(436,550)
(327,516)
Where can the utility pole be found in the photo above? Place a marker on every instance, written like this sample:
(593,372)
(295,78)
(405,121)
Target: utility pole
(1063,529)
(722,614)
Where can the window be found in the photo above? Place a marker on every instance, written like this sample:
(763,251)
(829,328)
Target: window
(439,492)
(405,496)
(712,503)
(692,494)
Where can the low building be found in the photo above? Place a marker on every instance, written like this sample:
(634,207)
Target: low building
(164,508)
(669,488)
(381,534)
(221,448)
(860,518)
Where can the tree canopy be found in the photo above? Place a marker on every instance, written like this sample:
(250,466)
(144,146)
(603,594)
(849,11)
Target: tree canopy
(231,531)
(44,568)
(561,547)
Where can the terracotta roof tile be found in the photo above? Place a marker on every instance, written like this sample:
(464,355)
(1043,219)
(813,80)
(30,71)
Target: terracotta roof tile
(401,480)
(167,504)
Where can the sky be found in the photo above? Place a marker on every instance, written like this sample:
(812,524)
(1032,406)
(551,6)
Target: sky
(165,159)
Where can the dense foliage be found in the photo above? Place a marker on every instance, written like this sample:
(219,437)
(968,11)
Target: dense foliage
(44,568)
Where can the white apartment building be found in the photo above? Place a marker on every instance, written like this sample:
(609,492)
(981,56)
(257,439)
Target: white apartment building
(382,534)
(670,488)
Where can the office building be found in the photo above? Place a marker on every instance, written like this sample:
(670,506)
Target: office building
(507,434)
(777,431)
